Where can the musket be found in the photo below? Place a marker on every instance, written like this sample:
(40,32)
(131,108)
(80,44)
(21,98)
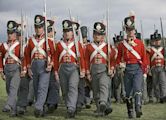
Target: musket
(45,29)
(80,35)
(162,32)
(75,40)
(154,27)
(53,36)
(22,37)
(142,32)
(27,33)
(108,41)
(162,35)
(123,31)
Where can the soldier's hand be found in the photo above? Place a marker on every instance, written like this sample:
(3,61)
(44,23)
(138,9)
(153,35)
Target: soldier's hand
(82,74)
(49,67)
(89,77)
(165,67)
(3,76)
(30,73)
(56,76)
(23,73)
(122,65)
(144,76)
(111,72)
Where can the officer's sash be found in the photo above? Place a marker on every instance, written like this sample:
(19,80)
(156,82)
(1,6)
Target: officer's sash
(38,47)
(10,52)
(157,52)
(130,48)
(98,49)
(67,49)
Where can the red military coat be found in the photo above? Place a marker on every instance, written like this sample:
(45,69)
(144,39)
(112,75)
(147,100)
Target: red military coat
(154,58)
(63,56)
(14,49)
(38,54)
(125,55)
(98,58)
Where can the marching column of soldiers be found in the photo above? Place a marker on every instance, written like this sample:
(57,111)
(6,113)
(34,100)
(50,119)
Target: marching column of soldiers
(128,71)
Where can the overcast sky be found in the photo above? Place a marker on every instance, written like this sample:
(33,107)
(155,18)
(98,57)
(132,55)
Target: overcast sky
(87,11)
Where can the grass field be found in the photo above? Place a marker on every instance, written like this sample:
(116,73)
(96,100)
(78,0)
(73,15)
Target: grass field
(150,111)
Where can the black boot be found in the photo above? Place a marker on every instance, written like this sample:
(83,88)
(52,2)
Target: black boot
(129,104)
(51,109)
(108,111)
(138,106)
(70,114)
(39,113)
(21,110)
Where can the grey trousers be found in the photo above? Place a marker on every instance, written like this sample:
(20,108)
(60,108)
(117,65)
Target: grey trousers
(81,93)
(31,92)
(100,83)
(12,73)
(118,84)
(69,79)
(23,92)
(159,82)
(53,90)
(40,82)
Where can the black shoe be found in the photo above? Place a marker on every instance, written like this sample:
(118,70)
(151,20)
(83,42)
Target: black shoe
(130,114)
(39,113)
(56,106)
(151,101)
(6,109)
(87,106)
(70,114)
(102,109)
(21,110)
(78,109)
(108,111)
(13,113)
(51,109)
(138,112)
(30,103)
(163,99)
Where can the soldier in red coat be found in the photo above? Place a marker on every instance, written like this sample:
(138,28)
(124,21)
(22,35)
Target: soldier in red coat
(39,59)
(53,89)
(133,53)
(157,64)
(97,70)
(22,100)
(69,65)
(10,66)
(118,79)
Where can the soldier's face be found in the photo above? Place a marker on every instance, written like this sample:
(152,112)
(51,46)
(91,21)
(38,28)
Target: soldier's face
(39,30)
(130,34)
(68,35)
(12,36)
(98,37)
(158,42)
(51,34)
(84,40)
(19,38)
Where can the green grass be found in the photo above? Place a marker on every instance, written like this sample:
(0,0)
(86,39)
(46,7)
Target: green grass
(150,111)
